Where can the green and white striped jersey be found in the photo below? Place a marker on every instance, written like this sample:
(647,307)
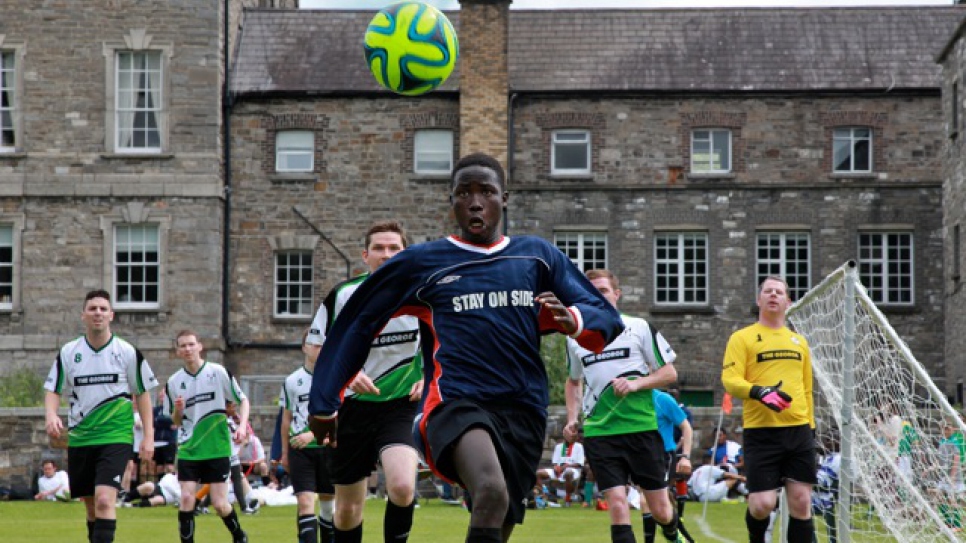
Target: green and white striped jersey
(204,432)
(101,384)
(638,351)
(295,398)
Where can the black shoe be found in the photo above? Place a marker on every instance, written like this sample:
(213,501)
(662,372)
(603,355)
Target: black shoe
(243,538)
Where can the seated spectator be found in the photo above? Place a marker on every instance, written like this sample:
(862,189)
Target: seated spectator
(252,457)
(52,483)
(712,483)
(727,453)
(568,460)
(166,492)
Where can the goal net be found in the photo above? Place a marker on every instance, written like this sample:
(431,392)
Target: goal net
(900,441)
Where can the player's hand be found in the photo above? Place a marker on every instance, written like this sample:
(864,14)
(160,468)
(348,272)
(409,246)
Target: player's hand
(772,397)
(241,434)
(362,384)
(54,427)
(302,440)
(570,431)
(416,393)
(284,461)
(561,314)
(624,386)
(683,466)
(324,427)
(146,451)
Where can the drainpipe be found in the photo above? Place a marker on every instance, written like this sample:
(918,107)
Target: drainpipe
(226,107)
(511,136)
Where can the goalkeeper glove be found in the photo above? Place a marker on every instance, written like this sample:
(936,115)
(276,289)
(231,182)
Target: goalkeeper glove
(772,397)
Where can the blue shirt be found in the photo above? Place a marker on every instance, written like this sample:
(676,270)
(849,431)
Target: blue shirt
(669,416)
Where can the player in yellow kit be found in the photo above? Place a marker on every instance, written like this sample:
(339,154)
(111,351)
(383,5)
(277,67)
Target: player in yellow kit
(770,368)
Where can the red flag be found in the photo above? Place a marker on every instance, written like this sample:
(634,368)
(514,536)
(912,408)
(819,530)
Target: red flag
(726,404)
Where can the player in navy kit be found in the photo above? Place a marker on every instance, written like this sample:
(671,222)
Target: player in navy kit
(483,300)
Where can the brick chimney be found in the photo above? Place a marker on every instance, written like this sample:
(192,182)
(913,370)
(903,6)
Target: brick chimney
(484,78)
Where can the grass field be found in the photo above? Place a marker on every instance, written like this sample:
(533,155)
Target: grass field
(435,522)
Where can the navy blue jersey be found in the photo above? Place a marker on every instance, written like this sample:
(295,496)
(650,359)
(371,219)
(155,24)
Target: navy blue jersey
(480,324)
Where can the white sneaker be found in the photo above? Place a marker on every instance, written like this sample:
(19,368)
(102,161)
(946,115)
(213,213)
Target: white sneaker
(553,504)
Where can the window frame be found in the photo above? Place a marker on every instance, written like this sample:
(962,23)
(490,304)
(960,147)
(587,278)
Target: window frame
(303,151)
(782,262)
(443,149)
(14,50)
(137,40)
(681,276)
(135,213)
(886,274)
(119,300)
(16,224)
(135,109)
(708,167)
(307,263)
(853,141)
(587,141)
(581,239)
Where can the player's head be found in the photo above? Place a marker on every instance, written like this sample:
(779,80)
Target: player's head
(310,350)
(188,346)
(383,240)
(97,314)
(606,283)
(773,297)
(722,436)
(49,468)
(478,198)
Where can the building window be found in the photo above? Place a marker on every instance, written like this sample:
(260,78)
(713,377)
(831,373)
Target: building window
(6,266)
(711,151)
(8,111)
(293,284)
(786,255)
(587,250)
(433,152)
(570,152)
(852,149)
(137,266)
(295,151)
(138,101)
(681,268)
(885,266)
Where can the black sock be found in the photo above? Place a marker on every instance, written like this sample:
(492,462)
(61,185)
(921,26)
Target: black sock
(484,535)
(670,530)
(103,531)
(265,480)
(231,522)
(90,530)
(186,526)
(398,521)
(326,530)
(650,528)
(800,531)
(622,533)
(349,536)
(307,528)
(756,528)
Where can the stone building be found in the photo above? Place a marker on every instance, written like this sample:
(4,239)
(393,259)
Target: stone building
(691,151)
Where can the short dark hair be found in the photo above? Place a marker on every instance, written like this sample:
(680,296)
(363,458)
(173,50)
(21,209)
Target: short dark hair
(606,274)
(483,160)
(99,293)
(387,226)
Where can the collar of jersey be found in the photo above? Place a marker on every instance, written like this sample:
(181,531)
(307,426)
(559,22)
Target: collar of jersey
(485,249)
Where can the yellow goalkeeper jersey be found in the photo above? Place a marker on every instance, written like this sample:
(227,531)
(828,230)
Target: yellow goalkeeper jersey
(763,356)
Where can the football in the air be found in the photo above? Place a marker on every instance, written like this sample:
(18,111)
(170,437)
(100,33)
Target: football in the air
(411,48)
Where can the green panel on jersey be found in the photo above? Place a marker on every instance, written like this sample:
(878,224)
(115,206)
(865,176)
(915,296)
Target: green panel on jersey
(616,416)
(395,384)
(210,438)
(111,422)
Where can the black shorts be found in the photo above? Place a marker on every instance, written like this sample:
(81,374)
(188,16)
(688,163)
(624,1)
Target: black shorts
(774,455)
(165,454)
(309,470)
(365,429)
(637,458)
(96,465)
(518,434)
(214,470)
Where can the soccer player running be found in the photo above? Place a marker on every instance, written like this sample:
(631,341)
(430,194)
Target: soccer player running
(770,368)
(483,300)
(621,436)
(376,419)
(302,456)
(102,372)
(195,397)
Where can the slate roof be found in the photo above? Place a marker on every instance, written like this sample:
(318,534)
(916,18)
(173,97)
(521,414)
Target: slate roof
(701,50)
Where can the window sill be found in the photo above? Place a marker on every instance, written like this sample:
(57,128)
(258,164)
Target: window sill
(580,178)
(137,156)
(681,310)
(730,176)
(13,155)
(898,309)
(858,176)
(282,177)
(417,178)
(291,319)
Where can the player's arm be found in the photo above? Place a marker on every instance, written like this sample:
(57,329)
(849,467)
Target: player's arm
(807,381)
(733,368)
(52,422)
(286,424)
(573,392)
(146,410)
(684,457)
(244,408)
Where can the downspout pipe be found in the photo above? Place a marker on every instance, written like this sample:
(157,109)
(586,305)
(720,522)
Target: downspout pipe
(226,107)
(511,137)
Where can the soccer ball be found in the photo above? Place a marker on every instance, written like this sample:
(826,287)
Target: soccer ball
(411,48)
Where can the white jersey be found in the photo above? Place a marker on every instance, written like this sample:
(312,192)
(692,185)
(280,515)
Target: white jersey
(568,453)
(58,482)
(101,384)
(204,431)
(638,351)
(295,398)
(394,362)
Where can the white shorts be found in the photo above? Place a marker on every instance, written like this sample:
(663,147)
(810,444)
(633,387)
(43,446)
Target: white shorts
(714,493)
(574,472)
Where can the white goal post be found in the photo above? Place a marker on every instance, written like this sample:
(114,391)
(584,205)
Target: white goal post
(897,433)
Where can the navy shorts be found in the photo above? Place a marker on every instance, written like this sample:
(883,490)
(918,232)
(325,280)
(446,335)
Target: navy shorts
(636,458)
(774,455)
(309,470)
(517,432)
(96,465)
(365,429)
(214,470)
